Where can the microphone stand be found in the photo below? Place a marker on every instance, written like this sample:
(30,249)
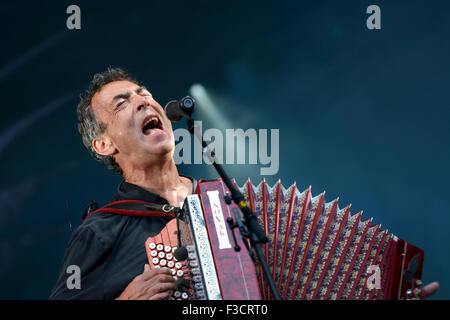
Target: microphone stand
(254,233)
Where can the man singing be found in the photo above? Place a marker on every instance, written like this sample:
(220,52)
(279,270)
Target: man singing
(125,128)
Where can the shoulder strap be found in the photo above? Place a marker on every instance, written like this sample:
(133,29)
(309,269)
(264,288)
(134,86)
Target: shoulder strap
(137,208)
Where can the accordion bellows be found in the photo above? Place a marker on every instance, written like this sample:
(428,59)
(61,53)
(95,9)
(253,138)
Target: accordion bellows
(317,250)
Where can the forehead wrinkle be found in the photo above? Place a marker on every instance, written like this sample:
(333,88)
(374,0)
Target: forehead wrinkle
(102,97)
(127,94)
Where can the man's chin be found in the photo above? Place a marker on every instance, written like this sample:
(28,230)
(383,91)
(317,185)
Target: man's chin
(162,149)
(159,143)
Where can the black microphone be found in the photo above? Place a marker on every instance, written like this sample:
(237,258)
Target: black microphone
(176,110)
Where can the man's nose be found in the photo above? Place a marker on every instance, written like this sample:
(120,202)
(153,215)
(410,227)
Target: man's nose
(142,103)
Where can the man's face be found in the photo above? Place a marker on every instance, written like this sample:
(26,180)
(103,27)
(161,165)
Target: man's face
(138,130)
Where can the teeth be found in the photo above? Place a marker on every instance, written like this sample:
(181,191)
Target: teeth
(155,119)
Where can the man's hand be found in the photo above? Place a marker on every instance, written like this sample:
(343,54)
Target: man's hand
(152,284)
(429,290)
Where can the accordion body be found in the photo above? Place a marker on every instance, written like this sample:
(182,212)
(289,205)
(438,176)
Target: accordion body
(315,249)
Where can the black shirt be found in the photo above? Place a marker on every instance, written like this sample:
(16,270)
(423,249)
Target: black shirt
(109,249)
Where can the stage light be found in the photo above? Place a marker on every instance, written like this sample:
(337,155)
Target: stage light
(210,111)
(198,91)
(208,108)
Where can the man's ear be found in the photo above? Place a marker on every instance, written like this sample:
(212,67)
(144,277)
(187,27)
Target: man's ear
(104,146)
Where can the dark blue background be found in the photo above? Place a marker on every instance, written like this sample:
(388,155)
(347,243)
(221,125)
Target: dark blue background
(362,114)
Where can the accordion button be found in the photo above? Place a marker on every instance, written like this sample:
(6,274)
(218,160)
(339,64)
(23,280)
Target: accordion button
(192,256)
(170,264)
(152,245)
(169,256)
(157,267)
(184,295)
(173,249)
(163,262)
(196,278)
(154,253)
(174,272)
(177,294)
(159,247)
(161,255)
(195,271)
(180,273)
(193,263)
(178,265)
(200,294)
(155,260)
(198,285)
(167,249)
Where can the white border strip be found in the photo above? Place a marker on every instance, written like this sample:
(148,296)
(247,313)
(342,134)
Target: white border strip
(205,256)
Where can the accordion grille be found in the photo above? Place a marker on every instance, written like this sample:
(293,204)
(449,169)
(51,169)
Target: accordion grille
(316,250)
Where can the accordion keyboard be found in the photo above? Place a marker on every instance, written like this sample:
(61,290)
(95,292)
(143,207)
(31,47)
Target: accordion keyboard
(163,256)
(160,252)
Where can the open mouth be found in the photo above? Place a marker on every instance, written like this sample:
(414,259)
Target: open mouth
(151,123)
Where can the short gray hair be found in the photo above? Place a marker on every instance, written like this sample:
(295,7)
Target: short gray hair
(88,126)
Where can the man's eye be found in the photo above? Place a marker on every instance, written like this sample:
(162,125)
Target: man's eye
(119,105)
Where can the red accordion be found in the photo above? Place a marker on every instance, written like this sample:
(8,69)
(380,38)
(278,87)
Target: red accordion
(315,250)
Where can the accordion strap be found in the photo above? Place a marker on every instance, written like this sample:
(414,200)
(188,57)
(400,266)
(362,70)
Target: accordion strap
(129,208)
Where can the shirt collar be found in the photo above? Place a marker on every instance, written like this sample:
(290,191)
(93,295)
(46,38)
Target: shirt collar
(130,191)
